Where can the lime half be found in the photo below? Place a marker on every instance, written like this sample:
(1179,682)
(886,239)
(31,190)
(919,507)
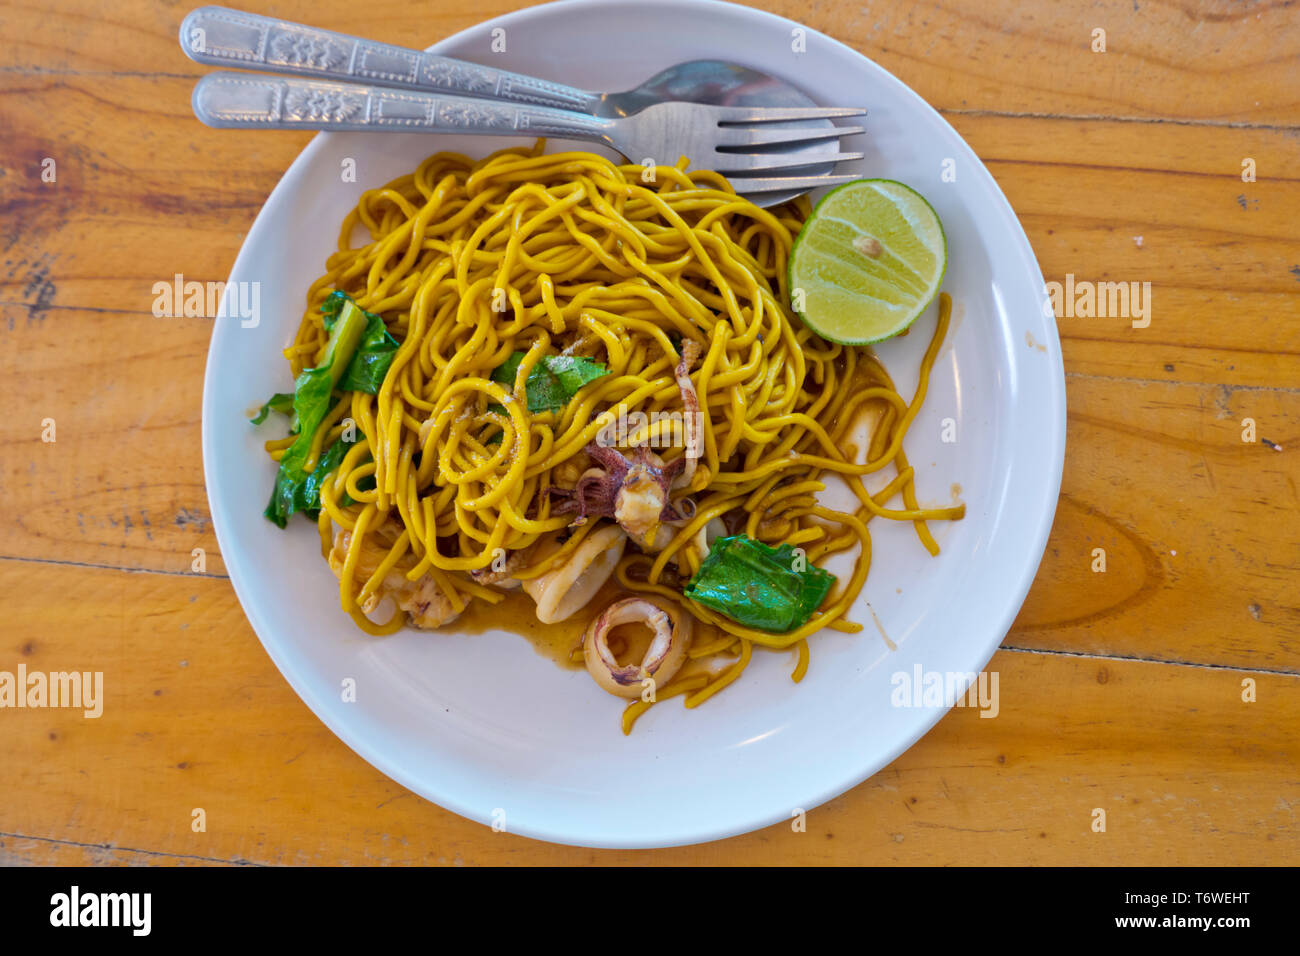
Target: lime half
(867,262)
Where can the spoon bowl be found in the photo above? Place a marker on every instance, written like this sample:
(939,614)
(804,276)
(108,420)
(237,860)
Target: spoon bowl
(718,83)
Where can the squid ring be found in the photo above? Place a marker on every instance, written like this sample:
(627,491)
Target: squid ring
(667,652)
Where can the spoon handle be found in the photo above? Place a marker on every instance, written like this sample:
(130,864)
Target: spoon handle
(223,37)
(249,101)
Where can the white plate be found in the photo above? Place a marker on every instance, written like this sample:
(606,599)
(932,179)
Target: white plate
(486,727)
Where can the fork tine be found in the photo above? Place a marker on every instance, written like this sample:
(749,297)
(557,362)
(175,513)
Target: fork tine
(776,114)
(749,187)
(740,137)
(764,162)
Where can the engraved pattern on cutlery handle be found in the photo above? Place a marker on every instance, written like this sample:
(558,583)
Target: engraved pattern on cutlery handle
(232,38)
(248,101)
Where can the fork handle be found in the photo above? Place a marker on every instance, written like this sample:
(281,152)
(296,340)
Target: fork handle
(249,101)
(220,36)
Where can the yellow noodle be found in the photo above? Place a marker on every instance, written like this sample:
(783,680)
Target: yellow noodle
(728,677)
(675,689)
(468,261)
(801,668)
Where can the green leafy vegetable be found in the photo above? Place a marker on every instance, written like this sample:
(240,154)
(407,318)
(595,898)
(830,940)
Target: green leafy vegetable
(332,306)
(304,494)
(374,354)
(281,402)
(759,586)
(357,357)
(295,488)
(553,381)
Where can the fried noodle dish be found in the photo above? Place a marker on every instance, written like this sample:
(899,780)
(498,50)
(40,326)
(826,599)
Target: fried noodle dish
(553,373)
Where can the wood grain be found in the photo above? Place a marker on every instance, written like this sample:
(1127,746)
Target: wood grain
(1181,60)
(195,715)
(1121,689)
(1220,546)
(1207,257)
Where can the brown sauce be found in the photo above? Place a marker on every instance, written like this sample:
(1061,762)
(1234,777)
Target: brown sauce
(518,615)
(560,642)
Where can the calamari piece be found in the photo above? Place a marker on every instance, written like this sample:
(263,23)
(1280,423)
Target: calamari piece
(564,590)
(641,497)
(633,491)
(663,659)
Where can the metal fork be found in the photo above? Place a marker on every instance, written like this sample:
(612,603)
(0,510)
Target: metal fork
(712,137)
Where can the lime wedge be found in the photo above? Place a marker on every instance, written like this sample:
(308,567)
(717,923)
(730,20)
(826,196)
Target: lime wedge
(867,262)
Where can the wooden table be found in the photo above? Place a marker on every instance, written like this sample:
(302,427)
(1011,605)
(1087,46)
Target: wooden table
(1121,690)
